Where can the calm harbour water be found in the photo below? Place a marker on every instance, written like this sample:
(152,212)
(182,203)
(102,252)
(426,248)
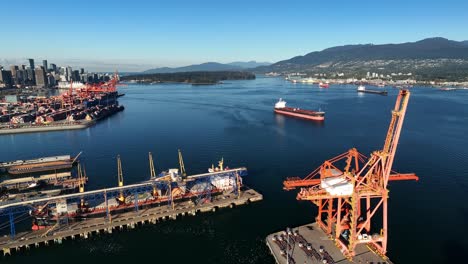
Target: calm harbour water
(235,120)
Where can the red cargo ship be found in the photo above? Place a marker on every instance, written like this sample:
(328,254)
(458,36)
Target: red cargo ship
(324,85)
(280,108)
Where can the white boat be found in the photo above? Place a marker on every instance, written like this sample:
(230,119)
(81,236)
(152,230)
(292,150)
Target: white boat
(361,88)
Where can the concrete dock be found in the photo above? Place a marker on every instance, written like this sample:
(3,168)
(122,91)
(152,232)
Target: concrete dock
(309,244)
(130,220)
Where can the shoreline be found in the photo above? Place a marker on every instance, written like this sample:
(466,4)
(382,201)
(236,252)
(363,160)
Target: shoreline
(171,82)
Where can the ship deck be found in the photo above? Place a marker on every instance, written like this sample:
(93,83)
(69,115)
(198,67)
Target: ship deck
(314,235)
(300,111)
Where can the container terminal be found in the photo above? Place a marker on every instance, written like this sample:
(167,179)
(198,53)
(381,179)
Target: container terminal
(73,109)
(163,196)
(352,220)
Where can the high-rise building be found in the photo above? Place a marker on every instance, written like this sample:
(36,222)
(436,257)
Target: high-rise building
(20,74)
(41,77)
(31,63)
(14,69)
(76,76)
(31,76)
(5,78)
(44,64)
(53,67)
(69,70)
(81,71)
(51,80)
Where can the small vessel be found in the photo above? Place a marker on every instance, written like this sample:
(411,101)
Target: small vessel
(281,108)
(362,89)
(324,85)
(447,89)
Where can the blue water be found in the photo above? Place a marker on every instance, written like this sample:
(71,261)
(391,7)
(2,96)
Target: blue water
(235,120)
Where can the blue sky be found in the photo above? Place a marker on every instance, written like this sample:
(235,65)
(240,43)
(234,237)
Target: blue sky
(174,33)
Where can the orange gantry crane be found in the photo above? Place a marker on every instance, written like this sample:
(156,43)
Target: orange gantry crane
(350,199)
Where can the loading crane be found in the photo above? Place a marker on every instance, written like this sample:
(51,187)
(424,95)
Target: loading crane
(81,183)
(152,173)
(121,197)
(181,165)
(348,199)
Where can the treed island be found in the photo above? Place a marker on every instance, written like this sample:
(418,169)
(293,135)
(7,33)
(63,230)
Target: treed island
(199,78)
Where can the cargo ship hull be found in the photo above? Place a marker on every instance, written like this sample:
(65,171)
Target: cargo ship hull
(49,166)
(160,191)
(34,161)
(373,92)
(300,113)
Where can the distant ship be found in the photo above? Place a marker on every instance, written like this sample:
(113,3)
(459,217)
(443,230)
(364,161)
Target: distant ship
(448,89)
(362,89)
(280,108)
(324,85)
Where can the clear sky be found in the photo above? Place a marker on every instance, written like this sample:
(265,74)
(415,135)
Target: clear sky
(174,33)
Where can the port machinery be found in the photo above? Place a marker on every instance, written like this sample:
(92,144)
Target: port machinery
(350,199)
(89,89)
(165,189)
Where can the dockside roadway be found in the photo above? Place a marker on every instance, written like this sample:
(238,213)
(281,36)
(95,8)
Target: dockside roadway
(309,244)
(86,228)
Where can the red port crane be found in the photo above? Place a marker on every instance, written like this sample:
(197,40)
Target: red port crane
(350,199)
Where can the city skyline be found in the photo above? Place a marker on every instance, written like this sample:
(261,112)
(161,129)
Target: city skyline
(45,75)
(142,34)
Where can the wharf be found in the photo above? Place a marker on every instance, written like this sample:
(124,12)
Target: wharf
(322,248)
(129,220)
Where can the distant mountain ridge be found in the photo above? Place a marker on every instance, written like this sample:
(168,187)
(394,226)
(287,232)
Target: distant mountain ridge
(432,58)
(209,66)
(249,64)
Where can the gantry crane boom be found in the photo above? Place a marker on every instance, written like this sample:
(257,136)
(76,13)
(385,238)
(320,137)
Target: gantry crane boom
(349,198)
(152,172)
(120,178)
(181,165)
